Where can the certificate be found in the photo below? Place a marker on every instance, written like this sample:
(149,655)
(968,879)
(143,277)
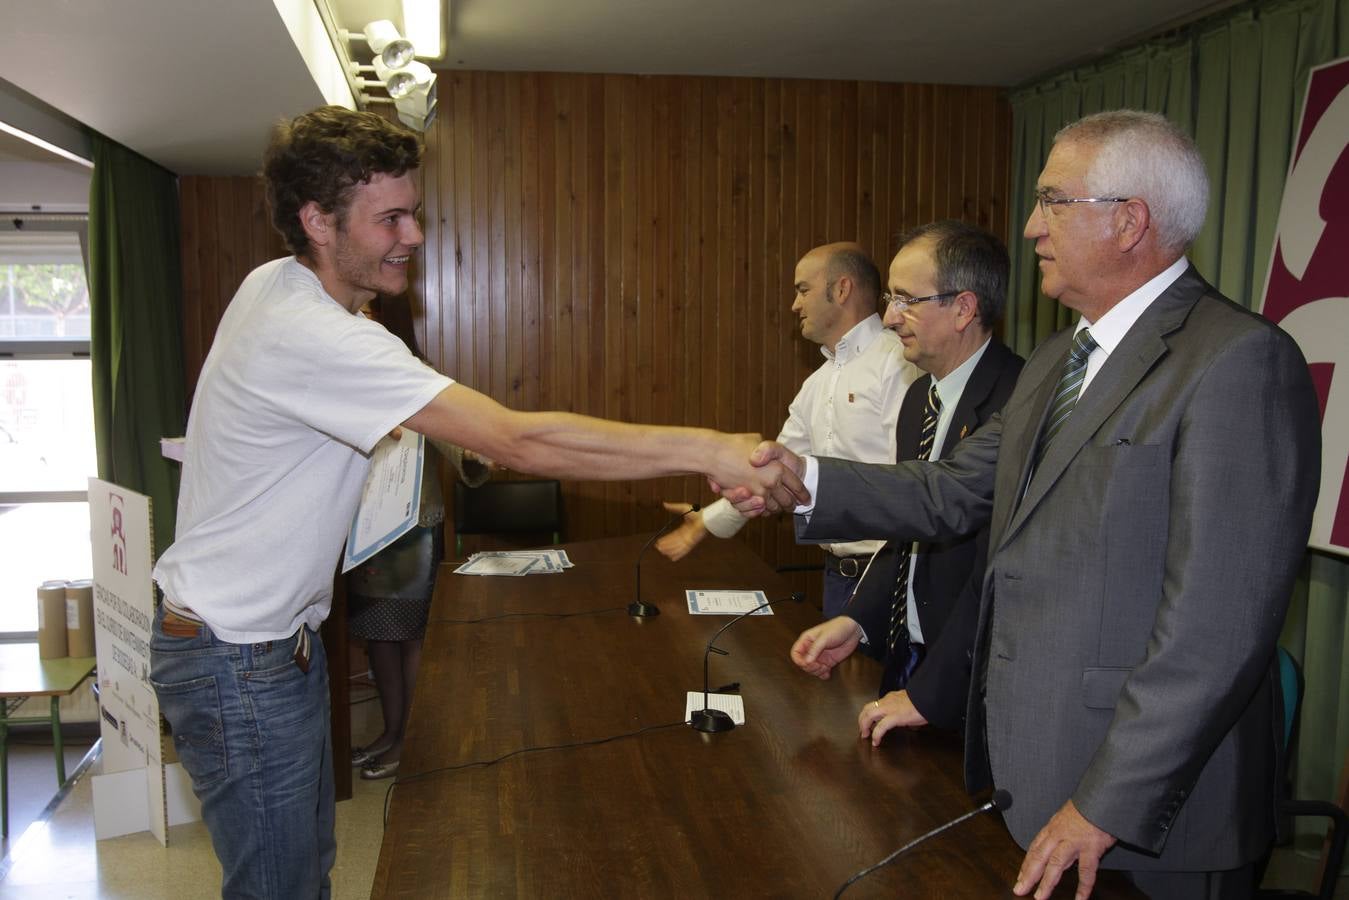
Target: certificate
(390,500)
(726,603)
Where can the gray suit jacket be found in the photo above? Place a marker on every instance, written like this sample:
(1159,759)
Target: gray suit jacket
(1136,587)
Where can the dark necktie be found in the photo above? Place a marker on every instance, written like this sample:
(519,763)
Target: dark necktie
(1067,391)
(899,603)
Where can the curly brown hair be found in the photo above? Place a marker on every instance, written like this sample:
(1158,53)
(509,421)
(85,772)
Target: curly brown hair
(322,156)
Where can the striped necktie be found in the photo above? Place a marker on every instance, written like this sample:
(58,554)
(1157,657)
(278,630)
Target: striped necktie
(1067,390)
(899,602)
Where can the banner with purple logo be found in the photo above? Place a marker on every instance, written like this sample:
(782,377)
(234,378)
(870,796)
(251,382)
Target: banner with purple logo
(1307,291)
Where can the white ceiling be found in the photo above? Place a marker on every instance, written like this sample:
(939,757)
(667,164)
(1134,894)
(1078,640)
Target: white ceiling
(195,84)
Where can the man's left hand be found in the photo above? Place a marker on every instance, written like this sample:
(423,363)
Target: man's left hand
(1068,838)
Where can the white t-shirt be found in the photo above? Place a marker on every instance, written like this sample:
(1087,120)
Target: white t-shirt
(293,396)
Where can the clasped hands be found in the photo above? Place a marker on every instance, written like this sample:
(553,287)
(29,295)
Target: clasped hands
(770,483)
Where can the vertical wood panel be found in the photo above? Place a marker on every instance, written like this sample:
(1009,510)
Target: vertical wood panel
(624,245)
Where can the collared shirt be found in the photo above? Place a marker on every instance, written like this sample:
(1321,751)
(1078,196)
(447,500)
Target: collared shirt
(847,408)
(949,391)
(1108,331)
(1111,328)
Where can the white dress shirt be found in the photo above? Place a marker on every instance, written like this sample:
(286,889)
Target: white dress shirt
(1108,331)
(1111,328)
(848,408)
(949,391)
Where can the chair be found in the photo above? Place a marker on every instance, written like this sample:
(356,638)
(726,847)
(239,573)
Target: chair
(507,507)
(1332,857)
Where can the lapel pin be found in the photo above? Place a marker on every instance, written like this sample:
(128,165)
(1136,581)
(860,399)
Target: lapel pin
(964,430)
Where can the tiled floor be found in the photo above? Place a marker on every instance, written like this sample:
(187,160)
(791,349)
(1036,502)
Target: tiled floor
(60,858)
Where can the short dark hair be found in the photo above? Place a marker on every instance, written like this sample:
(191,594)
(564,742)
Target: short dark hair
(855,264)
(322,156)
(968,258)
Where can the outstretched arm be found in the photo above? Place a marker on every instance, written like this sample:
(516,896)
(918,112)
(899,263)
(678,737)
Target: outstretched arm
(566,445)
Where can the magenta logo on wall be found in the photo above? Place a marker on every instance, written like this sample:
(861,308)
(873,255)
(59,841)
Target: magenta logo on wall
(1307,291)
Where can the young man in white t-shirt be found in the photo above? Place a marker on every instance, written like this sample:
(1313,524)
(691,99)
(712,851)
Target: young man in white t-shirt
(295,393)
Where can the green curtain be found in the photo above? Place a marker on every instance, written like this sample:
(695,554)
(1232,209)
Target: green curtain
(136,340)
(1236,82)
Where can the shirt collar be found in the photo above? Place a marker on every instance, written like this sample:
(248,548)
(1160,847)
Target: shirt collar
(857,339)
(1111,328)
(952,386)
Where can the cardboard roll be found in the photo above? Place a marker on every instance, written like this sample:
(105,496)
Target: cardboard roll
(51,620)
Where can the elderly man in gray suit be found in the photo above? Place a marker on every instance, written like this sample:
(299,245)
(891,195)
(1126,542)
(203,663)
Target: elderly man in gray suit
(1149,488)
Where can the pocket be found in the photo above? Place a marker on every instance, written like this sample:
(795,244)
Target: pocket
(193,711)
(285,699)
(1101,686)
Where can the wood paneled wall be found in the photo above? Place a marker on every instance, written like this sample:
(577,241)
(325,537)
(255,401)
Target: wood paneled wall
(623,246)
(225,235)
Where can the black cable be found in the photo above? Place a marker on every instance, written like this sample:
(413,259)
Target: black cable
(526,615)
(484,763)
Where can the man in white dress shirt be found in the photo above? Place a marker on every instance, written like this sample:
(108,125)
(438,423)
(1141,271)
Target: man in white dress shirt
(847,408)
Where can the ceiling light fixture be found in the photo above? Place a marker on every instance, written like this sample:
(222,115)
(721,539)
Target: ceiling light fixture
(45,145)
(422,23)
(409,84)
(385,42)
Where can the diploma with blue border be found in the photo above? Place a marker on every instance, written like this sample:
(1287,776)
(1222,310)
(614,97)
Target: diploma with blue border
(390,500)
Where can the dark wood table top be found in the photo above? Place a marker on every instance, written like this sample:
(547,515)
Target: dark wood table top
(640,805)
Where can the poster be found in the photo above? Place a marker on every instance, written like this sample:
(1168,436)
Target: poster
(1307,289)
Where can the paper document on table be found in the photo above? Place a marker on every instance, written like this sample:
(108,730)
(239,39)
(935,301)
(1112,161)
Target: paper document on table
(497,565)
(548,560)
(390,500)
(731,704)
(726,603)
(515,562)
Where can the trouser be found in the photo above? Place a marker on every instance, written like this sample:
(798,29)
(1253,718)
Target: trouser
(840,580)
(251,727)
(1231,884)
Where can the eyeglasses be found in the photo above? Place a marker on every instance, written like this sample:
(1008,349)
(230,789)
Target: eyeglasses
(1046,200)
(903,302)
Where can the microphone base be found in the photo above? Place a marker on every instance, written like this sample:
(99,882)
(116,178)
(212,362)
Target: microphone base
(711,721)
(643,610)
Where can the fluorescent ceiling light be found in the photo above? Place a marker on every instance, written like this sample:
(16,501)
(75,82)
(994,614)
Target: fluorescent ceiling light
(421,24)
(45,145)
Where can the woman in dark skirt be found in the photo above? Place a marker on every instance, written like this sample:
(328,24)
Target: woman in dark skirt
(389,597)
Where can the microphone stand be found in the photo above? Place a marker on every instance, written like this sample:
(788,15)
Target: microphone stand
(707,719)
(637,607)
(1001,801)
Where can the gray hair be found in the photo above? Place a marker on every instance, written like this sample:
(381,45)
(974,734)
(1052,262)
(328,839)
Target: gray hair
(1145,155)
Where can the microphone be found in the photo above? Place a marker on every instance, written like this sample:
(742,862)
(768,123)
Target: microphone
(1001,801)
(637,607)
(707,719)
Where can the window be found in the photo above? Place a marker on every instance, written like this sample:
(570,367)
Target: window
(47,449)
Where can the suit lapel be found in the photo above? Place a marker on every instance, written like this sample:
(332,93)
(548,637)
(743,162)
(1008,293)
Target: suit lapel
(983,379)
(1021,425)
(909,430)
(1142,347)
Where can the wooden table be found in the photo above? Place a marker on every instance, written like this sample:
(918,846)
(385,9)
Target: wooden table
(23,675)
(788,805)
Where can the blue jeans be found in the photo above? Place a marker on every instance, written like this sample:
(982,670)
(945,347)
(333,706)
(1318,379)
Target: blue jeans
(252,731)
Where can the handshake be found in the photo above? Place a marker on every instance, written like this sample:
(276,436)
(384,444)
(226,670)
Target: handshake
(758,476)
